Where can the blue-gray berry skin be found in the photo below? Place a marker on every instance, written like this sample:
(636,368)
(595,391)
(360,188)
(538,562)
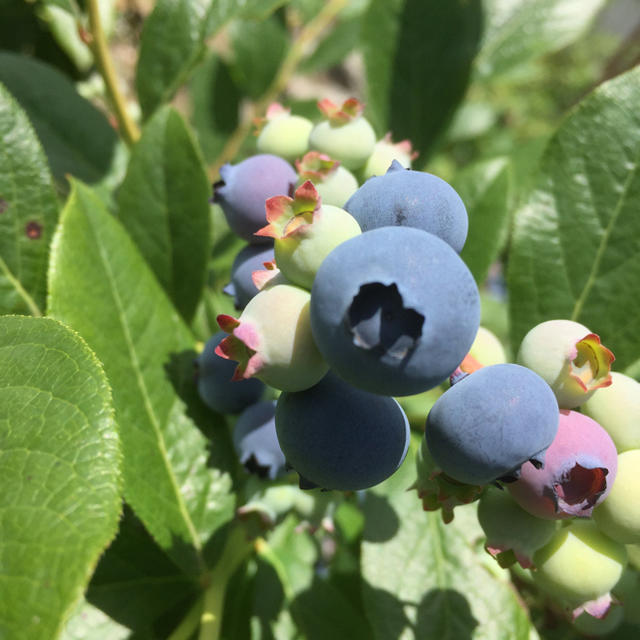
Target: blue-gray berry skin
(249,259)
(490,422)
(339,437)
(402,197)
(255,440)
(394,310)
(215,386)
(244,187)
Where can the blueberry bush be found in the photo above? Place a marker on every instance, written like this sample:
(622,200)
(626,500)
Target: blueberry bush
(319,319)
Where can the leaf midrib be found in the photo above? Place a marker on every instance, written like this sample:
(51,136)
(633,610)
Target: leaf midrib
(595,266)
(145,396)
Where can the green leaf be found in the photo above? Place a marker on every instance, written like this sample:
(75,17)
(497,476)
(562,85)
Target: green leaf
(28,212)
(164,205)
(576,246)
(215,103)
(101,286)
(258,48)
(89,623)
(484,188)
(173,42)
(418,60)
(135,582)
(517,32)
(425,579)
(76,137)
(59,472)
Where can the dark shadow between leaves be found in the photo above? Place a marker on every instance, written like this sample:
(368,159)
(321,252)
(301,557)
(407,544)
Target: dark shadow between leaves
(137,584)
(381,521)
(444,613)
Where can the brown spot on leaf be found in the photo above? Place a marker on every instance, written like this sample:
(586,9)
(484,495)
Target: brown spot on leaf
(33,230)
(4,205)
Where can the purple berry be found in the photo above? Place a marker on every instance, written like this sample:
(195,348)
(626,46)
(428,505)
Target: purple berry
(491,422)
(250,258)
(339,437)
(255,440)
(217,390)
(243,189)
(579,469)
(406,198)
(394,311)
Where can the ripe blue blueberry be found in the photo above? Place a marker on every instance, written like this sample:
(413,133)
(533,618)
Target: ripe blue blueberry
(255,440)
(490,422)
(394,311)
(244,187)
(339,437)
(217,390)
(249,259)
(403,197)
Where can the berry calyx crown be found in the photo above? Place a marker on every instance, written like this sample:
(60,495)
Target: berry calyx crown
(348,111)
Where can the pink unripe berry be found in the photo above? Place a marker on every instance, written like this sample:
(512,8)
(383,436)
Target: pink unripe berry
(579,470)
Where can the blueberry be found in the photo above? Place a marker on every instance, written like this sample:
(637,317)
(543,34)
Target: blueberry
(339,437)
(217,390)
(384,153)
(617,409)
(345,134)
(249,259)
(491,422)
(569,357)
(283,134)
(255,440)
(579,469)
(512,533)
(619,514)
(579,566)
(394,311)
(407,198)
(243,189)
(334,183)
(305,232)
(272,340)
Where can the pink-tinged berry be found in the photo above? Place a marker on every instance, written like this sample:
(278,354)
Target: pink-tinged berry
(569,357)
(384,153)
(345,134)
(513,535)
(272,340)
(617,409)
(305,232)
(579,470)
(243,189)
(580,566)
(619,515)
(334,183)
(437,490)
(283,134)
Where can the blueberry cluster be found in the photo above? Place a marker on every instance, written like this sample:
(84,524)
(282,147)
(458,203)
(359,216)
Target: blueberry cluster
(352,296)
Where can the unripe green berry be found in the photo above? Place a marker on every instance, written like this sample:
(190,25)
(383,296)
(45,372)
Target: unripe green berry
(617,409)
(619,515)
(283,134)
(569,358)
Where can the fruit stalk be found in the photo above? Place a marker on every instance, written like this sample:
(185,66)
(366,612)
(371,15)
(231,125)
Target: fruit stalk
(297,52)
(102,57)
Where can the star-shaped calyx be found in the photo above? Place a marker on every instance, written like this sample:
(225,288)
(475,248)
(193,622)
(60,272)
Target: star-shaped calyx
(240,345)
(287,216)
(590,364)
(316,166)
(350,110)
(274,110)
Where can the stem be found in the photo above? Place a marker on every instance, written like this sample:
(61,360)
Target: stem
(289,64)
(189,623)
(236,549)
(102,57)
